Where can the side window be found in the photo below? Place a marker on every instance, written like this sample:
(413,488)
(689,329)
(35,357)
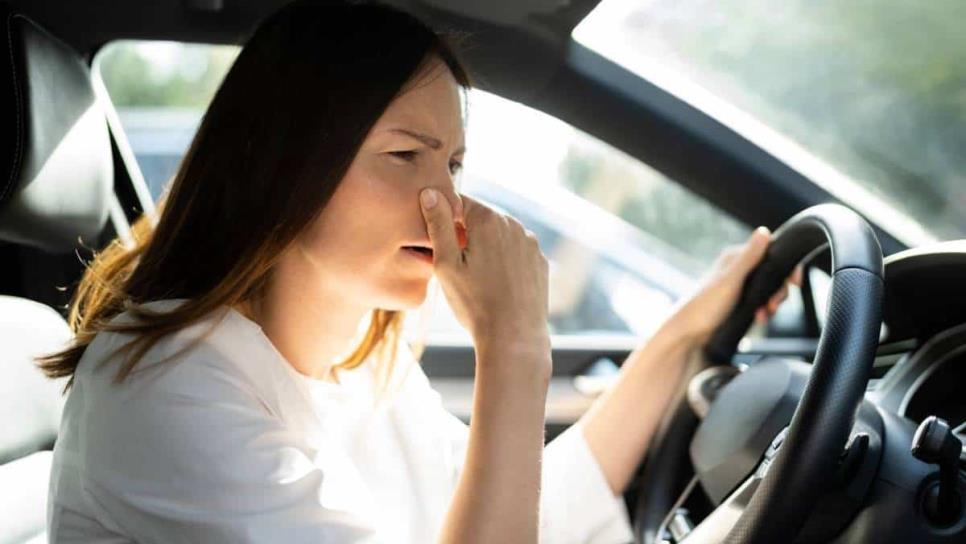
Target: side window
(160,91)
(624,242)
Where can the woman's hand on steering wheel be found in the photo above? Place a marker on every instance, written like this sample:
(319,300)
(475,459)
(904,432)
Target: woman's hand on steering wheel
(701,313)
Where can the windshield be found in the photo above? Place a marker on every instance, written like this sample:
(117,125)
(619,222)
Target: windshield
(874,89)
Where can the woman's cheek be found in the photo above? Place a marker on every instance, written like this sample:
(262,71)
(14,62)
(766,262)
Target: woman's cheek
(388,181)
(385,192)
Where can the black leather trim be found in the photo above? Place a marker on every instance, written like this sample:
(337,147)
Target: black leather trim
(56,172)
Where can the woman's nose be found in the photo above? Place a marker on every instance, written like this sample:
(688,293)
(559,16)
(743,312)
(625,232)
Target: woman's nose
(448,189)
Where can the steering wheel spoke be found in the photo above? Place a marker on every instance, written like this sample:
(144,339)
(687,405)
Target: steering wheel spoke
(714,528)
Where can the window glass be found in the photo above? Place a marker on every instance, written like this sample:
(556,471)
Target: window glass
(160,91)
(874,88)
(624,242)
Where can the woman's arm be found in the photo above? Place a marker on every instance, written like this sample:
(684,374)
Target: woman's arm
(497,288)
(620,424)
(497,497)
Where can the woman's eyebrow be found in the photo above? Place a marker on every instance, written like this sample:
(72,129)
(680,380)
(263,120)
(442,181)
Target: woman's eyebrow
(430,141)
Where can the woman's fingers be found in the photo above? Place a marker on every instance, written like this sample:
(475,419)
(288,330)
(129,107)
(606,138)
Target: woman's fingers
(771,307)
(439,225)
(751,253)
(499,290)
(761,316)
(796,276)
(777,299)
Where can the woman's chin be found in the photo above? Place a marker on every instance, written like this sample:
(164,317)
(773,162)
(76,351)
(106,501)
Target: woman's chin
(410,298)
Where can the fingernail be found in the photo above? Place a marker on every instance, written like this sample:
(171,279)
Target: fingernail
(461,235)
(428,198)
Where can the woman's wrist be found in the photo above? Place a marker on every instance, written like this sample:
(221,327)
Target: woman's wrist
(532,340)
(680,330)
(514,355)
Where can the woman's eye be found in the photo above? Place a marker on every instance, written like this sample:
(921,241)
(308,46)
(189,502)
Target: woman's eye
(410,156)
(407,156)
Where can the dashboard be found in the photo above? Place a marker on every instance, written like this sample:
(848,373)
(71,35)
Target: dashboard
(922,355)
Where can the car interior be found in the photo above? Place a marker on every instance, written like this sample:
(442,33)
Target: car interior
(842,422)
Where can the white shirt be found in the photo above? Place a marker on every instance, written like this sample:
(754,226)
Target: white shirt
(227,442)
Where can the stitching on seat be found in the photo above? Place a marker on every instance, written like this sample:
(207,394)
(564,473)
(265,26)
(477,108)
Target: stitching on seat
(16,101)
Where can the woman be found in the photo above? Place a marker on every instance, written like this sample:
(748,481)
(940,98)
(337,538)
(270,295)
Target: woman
(235,376)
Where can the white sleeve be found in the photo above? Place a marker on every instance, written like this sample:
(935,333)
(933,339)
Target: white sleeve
(211,464)
(576,503)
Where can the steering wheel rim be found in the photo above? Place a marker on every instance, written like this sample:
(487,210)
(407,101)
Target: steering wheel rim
(825,413)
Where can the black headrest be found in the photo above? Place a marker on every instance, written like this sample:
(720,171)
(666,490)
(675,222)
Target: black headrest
(56,170)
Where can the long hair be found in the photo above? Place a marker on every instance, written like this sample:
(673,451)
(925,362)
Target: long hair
(278,137)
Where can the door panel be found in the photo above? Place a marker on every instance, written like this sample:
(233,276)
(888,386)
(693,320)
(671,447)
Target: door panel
(580,372)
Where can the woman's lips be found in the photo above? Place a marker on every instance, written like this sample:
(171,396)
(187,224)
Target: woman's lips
(424,254)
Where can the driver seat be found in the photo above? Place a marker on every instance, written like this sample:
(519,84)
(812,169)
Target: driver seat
(56,182)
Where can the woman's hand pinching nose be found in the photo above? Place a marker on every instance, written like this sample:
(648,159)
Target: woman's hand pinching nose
(438,215)
(429,199)
(499,292)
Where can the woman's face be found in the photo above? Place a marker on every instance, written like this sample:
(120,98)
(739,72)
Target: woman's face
(358,241)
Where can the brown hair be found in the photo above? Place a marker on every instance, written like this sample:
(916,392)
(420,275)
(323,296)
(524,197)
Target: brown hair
(273,145)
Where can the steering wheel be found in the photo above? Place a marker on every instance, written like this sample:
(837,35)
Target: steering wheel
(765,486)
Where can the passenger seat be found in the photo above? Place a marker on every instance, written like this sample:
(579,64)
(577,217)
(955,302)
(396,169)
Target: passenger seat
(56,181)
